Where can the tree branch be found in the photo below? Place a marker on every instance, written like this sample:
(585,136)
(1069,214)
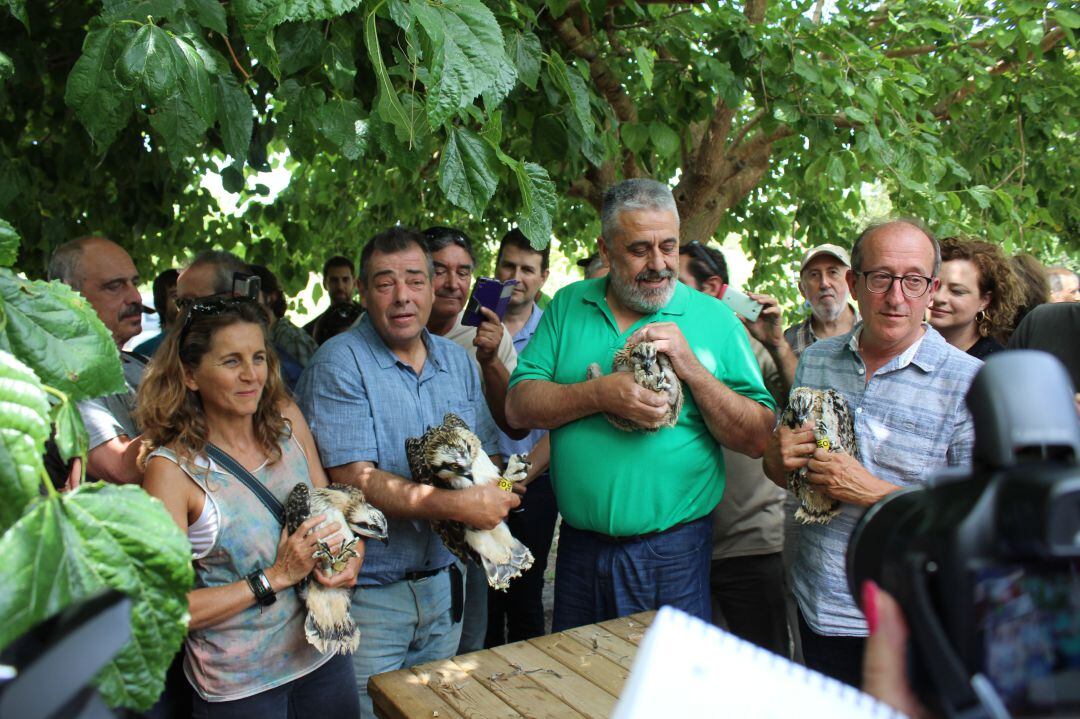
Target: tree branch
(611,89)
(931,47)
(747,126)
(585,47)
(755,11)
(941,110)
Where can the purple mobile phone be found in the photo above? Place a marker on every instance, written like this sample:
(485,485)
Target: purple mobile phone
(488,293)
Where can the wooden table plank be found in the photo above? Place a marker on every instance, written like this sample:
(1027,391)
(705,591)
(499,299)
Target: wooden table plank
(463,692)
(559,680)
(514,687)
(631,628)
(584,660)
(401,695)
(607,644)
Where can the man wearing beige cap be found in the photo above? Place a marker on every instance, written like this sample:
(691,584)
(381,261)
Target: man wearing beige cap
(822,281)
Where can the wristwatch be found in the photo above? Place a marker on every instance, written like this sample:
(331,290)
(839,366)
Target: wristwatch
(260,587)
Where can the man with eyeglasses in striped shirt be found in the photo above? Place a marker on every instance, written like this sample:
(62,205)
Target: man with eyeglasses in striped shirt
(905,387)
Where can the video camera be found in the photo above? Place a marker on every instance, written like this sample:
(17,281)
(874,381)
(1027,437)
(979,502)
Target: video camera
(986,564)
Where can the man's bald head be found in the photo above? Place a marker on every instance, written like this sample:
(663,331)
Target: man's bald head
(104,273)
(210,273)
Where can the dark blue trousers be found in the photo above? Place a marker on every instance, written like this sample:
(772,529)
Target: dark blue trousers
(599,578)
(518,613)
(329,691)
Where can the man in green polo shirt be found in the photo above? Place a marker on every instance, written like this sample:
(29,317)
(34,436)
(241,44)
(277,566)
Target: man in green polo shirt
(636,506)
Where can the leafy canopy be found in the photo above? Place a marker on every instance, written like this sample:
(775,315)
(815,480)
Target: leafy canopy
(767,118)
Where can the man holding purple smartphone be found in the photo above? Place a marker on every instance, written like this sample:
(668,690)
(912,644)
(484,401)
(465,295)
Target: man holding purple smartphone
(493,352)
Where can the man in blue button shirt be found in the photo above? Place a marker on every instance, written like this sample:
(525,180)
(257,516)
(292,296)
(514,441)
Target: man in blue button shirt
(366,391)
(905,386)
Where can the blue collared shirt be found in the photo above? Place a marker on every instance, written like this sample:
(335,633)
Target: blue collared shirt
(524,445)
(910,422)
(362,402)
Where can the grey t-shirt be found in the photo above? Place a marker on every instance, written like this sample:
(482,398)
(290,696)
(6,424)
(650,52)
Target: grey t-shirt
(110,416)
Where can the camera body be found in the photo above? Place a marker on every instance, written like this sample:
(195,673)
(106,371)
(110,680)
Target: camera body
(986,564)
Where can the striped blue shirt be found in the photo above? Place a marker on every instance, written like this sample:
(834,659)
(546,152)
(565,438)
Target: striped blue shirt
(362,402)
(910,422)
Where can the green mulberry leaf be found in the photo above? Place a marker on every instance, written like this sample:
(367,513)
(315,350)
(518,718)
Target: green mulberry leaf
(67,548)
(342,123)
(299,45)
(24,427)
(664,139)
(149,63)
(211,15)
(59,335)
(71,438)
(537,203)
(7,67)
(467,171)
(257,17)
(17,8)
(525,51)
(180,127)
(235,116)
(113,11)
(338,62)
(9,244)
(468,54)
(318,9)
(645,62)
(93,92)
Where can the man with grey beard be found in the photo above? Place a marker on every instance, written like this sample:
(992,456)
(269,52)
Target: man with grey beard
(636,506)
(822,282)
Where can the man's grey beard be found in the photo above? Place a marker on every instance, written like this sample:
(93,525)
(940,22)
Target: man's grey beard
(825,314)
(633,298)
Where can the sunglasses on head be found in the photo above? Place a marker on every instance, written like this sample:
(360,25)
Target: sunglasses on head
(702,255)
(210,307)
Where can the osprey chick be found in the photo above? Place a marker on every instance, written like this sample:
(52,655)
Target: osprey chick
(834,430)
(652,370)
(450,456)
(328,626)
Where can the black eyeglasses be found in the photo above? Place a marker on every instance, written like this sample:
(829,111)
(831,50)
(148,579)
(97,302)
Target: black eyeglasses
(701,254)
(879,283)
(210,307)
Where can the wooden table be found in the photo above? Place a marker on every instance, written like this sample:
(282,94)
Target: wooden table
(576,673)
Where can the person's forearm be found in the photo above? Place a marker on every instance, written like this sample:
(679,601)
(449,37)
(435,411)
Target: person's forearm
(116,461)
(396,496)
(786,362)
(213,605)
(496,379)
(538,404)
(736,422)
(540,458)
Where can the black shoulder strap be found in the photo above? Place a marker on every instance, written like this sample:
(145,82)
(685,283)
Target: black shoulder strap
(237,470)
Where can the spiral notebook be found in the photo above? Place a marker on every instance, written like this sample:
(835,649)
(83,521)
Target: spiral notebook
(688,668)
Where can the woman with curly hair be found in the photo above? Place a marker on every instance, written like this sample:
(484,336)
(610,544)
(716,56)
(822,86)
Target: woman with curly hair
(977,298)
(215,384)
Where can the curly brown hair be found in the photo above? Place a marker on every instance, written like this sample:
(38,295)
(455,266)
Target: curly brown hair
(170,414)
(996,279)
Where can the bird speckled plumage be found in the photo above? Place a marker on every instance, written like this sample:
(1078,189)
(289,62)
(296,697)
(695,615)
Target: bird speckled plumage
(328,626)
(652,370)
(834,430)
(450,456)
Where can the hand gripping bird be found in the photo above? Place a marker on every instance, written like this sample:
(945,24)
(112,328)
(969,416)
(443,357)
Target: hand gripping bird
(450,456)
(652,370)
(834,430)
(328,626)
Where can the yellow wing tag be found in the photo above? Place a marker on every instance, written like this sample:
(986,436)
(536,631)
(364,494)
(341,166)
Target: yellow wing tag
(824,443)
(506,485)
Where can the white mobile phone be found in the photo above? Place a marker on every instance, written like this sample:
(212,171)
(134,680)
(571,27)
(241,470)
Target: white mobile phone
(741,304)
